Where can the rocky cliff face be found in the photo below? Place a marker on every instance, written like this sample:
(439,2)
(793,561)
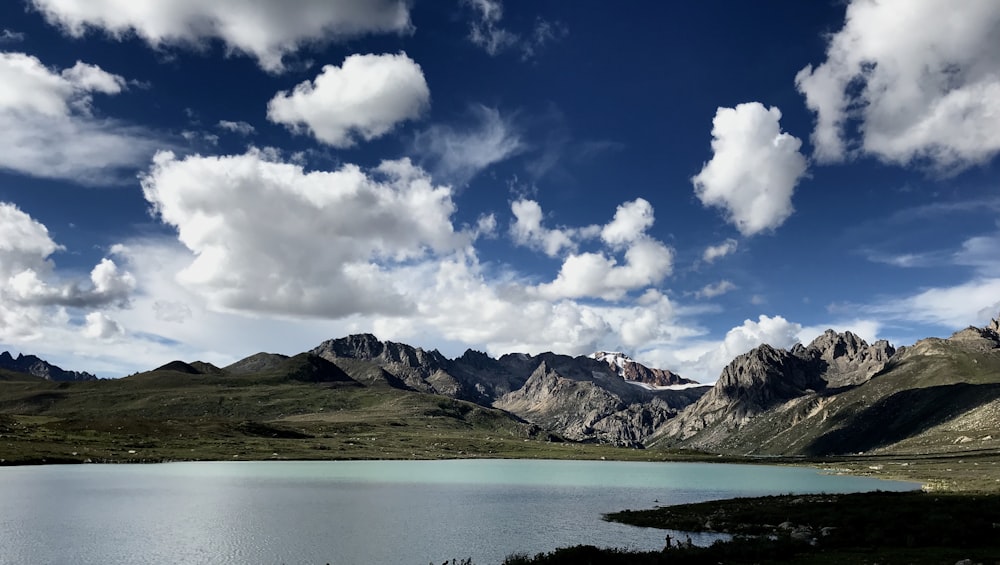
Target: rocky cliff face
(583,400)
(844,358)
(766,378)
(32,365)
(488,377)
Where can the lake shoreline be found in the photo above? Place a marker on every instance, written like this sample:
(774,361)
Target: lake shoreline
(940,473)
(40,440)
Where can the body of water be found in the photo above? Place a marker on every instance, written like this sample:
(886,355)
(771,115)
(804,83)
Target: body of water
(358,512)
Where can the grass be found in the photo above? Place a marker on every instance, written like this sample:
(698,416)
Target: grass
(173,416)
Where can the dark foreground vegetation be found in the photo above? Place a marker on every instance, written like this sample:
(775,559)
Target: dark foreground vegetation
(881,527)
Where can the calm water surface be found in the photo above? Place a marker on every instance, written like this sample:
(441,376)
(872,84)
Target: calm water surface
(357,512)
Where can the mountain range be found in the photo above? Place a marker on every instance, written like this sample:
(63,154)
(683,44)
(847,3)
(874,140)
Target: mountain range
(836,395)
(31,365)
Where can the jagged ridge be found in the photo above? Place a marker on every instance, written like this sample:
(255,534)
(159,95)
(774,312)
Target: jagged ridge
(31,365)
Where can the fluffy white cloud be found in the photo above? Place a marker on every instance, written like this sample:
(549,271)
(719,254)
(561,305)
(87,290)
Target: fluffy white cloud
(24,242)
(268,31)
(48,127)
(629,225)
(25,269)
(461,302)
(109,286)
(919,81)
(269,237)
(365,97)
(754,169)
(99,326)
(596,275)
(91,78)
(713,252)
(631,221)
(239,127)
(527,230)
(35,303)
(458,154)
(717,289)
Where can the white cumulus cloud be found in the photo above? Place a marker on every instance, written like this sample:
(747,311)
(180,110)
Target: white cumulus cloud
(754,169)
(240,127)
(631,221)
(527,230)
(598,275)
(99,326)
(269,237)
(713,252)
(49,127)
(267,31)
(364,97)
(717,289)
(917,81)
(34,298)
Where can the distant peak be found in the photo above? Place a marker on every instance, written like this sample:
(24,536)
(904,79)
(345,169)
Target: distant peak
(631,370)
(601,355)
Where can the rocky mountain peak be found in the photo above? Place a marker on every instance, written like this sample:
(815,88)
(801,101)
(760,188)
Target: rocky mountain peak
(834,345)
(630,370)
(613,358)
(848,359)
(425,371)
(33,365)
(767,377)
(370,348)
(475,358)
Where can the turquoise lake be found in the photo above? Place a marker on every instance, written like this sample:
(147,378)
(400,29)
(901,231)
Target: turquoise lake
(359,512)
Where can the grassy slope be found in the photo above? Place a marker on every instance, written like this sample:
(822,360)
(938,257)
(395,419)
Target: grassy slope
(170,415)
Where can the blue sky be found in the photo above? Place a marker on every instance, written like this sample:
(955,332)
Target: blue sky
(680,181)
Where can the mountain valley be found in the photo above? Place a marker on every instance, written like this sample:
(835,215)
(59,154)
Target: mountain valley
(359,397)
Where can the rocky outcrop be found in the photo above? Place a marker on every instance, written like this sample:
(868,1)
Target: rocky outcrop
(766,379)
(984,339)
(487,377)
(31,365)
(424,371)
(567,395)
(630,370)
(845,359)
